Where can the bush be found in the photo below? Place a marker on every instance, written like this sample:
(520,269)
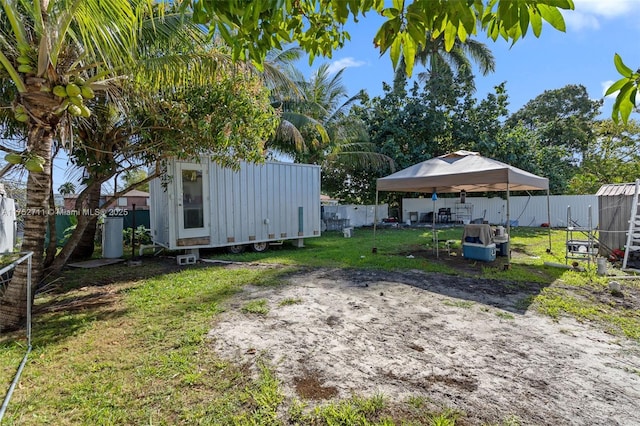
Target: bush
(143,235)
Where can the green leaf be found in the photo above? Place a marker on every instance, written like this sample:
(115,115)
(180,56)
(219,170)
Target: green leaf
(623,103)
(450,33)
(409,51)
(616,86)
(398,4)
(419,36)
(390,12)
(621,67)
(342,11)
(524,19)
(396,48)
(387,34)
(468,20)
(536,22)
(462,33)
(553,16)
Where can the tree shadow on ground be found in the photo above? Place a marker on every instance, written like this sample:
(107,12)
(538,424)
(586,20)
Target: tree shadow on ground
(488,283)
(76,299)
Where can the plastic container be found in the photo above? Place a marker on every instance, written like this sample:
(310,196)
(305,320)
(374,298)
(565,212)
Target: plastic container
(502,248)
(602,266)
(479,251)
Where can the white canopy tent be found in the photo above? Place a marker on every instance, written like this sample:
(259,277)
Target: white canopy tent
(464,171)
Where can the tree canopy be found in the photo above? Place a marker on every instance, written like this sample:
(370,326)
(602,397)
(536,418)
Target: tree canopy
(253,28)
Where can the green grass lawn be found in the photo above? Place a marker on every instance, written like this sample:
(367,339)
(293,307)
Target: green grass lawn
(126,345)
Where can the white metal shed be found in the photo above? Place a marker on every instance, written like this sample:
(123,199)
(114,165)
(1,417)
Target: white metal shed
(203,205)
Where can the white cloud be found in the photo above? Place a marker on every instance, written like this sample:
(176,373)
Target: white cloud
(347,62)
(580,21)
(605,8)
(605,86)
(588,13)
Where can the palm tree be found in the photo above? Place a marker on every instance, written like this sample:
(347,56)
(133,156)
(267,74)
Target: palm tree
(67,188)
(317,124)
(53,52)
(438,60)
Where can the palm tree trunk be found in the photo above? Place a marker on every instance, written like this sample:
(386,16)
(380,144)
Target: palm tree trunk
(87,243)
(13,304)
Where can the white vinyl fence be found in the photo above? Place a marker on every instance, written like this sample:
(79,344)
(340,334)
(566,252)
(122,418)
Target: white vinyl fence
(355,215)
(525,210)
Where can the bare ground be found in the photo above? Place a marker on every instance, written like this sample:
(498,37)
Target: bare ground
(469,344)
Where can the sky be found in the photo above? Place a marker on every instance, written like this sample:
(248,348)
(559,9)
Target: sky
(596,29)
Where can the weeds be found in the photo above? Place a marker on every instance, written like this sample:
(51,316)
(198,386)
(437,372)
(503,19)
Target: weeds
(290,301)
(504,315)
(256,307)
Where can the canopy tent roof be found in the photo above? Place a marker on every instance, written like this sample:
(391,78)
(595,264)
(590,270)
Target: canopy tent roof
(461,170)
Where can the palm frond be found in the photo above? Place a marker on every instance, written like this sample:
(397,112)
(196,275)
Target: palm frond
(287,140)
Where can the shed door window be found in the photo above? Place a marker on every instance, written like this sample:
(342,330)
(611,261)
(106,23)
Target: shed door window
(192,199)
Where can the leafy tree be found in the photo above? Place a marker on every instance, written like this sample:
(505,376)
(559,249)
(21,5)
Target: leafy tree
(613,157)
(184,125)
(123,136)
(133,177)
(254,28)
(330,135)
(426,122)
(561,117)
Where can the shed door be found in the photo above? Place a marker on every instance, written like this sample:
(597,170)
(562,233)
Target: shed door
(193,200)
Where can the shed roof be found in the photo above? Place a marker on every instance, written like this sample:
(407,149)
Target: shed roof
(613,189)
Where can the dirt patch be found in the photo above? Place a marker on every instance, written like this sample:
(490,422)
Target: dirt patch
(310,386)
(468,344)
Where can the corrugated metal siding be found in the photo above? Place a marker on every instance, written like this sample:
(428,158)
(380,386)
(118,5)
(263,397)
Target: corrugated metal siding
(260,200)
(159,215)
(615,212)
(615,189)
(616,201)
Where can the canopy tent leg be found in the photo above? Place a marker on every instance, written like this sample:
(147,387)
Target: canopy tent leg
(549,220)
(374,249)
(434,232)
(508,229)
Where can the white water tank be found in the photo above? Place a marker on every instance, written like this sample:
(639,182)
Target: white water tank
(112,247)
